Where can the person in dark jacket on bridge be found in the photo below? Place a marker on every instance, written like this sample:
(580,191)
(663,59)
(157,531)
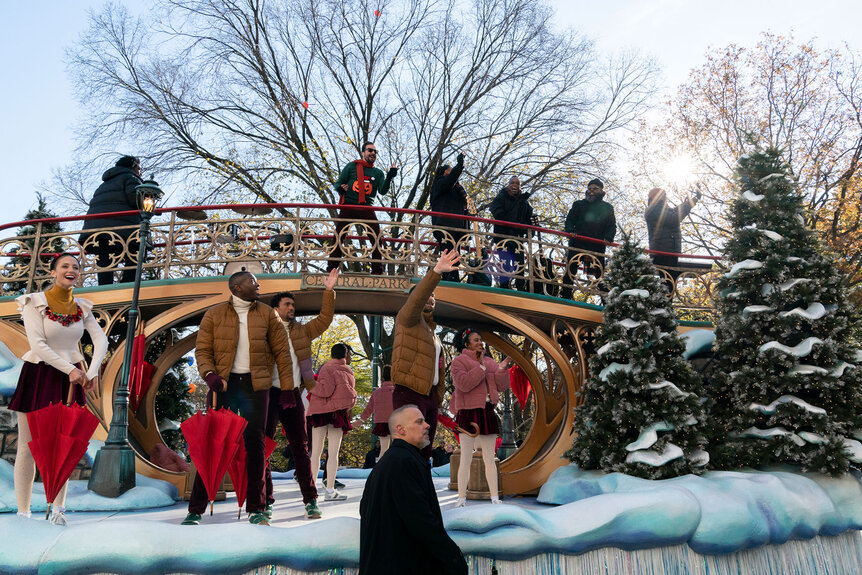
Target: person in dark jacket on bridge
(663,227)
(116,194)
(511,205)
(590,217)
(448,196)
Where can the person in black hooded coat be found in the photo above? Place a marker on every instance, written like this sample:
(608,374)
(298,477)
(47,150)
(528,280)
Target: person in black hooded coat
(116,194)
(450,197)
(401,527)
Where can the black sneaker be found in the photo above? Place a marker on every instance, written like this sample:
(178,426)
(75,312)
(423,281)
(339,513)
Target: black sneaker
(339,485)
(268,511)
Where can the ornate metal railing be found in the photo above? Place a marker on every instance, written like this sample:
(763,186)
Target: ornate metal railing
(290,238)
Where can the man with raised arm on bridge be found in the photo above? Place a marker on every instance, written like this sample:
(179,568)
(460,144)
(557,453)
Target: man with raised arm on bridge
(286,405)
(357,185)
(417,354)
(590,217)
(663,227)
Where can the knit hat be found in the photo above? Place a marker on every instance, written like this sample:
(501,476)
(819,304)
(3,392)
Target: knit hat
(597,182)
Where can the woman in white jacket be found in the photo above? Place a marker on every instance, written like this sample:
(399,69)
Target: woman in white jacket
(54,321)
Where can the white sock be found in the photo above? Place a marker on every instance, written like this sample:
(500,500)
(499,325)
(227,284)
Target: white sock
(25,514)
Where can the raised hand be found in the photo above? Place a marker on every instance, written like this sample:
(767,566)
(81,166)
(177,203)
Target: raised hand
(507,361)
(331,279)
(448,261)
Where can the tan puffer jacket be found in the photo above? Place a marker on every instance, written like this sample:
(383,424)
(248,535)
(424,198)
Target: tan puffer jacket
(302,334)
(218,337)
(413,350)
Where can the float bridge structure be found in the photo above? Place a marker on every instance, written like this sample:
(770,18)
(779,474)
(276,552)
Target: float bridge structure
(192,250)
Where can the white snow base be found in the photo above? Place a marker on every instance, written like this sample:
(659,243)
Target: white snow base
(839,555)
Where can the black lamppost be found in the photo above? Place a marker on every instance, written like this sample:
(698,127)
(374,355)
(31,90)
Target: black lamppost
(508,445)
(114,468)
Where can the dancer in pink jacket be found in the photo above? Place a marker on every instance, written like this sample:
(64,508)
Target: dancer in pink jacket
(478,382)
(329,405)
(380,405)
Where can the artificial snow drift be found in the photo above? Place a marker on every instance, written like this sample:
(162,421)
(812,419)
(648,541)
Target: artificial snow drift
(717,512)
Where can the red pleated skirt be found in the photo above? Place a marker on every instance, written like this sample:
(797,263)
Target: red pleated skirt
(40,385)
(340,418)
(484,417)
(380,429)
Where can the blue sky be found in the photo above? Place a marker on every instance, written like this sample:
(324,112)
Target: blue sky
(39,111)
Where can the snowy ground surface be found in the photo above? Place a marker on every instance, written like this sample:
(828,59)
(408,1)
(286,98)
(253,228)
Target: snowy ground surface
(718,513)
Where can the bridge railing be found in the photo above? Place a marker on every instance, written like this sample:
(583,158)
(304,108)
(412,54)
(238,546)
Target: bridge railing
(199,241)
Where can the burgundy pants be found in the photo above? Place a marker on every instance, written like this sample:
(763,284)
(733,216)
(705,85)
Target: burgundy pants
(293,421)
(348,214)
(252,405)
(427,404)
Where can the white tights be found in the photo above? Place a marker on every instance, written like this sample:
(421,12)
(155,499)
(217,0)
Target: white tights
(384,445)
(333,435)
(25,471)
(486,443)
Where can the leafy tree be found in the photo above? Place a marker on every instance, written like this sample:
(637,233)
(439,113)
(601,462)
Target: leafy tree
(19,265)
(641,411)
(786,387)
(172,399)
(786,94)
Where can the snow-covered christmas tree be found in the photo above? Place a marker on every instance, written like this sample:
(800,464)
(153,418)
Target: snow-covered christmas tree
(641,411)
(787,388)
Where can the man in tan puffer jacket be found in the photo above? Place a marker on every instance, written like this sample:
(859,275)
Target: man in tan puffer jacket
(417,358)
(237,345)
(286,406)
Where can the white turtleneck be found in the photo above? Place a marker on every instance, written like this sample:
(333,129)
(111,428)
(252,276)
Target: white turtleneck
(241,363)
(297,378)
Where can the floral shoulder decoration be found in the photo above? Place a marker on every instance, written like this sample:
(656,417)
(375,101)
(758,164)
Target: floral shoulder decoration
(65,319)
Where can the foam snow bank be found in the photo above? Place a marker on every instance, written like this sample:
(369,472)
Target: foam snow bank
(10,369)
(147,494)
(724,511)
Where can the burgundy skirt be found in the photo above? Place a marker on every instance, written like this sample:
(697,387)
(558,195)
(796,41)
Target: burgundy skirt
(340,418)
(380,429)
(40,385)
(484,417)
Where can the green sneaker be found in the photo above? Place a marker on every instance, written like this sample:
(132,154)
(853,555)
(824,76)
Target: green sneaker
(312,511)
(258,518)
(268,511)
(192,519)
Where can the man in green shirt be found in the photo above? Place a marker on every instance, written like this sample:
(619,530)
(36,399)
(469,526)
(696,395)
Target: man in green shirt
(357,185)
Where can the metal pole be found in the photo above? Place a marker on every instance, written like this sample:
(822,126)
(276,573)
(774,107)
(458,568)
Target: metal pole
(114,468)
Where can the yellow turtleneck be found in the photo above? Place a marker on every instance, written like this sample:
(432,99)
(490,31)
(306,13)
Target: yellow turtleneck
(60,300)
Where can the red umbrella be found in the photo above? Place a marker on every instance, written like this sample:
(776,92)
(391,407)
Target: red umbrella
(238,470)
(140,376)
(520,384)
(60,437)
(213,439)
(449,423)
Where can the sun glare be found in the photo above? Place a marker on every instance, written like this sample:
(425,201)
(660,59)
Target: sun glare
(679,171)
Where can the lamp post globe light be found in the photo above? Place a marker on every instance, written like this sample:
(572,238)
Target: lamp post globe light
(114,468)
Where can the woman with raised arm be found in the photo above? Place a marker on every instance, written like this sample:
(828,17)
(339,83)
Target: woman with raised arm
(478,382)
(54,321)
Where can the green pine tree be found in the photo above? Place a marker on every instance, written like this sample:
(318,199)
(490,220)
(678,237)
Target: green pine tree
(18,266)
(786,389)
(640,410)
(172,398)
